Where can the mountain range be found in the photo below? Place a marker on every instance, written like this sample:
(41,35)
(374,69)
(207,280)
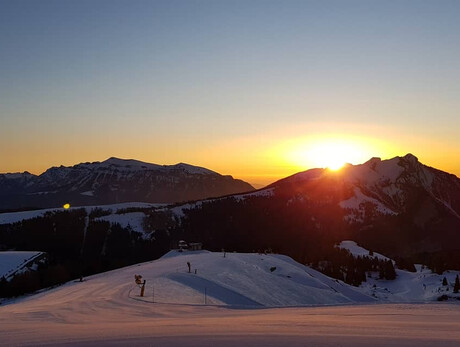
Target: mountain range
(399,206)
(113,181)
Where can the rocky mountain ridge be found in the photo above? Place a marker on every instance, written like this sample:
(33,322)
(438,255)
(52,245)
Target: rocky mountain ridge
(113,181)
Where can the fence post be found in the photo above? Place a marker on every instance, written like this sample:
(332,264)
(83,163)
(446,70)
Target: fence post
(205,296)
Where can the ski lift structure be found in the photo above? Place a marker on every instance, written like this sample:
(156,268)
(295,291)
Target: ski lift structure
(192,246)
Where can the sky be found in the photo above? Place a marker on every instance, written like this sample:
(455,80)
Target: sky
(256,89)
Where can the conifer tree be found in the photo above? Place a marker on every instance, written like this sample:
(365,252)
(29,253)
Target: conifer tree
(457,285)
(390,273)
(444,281)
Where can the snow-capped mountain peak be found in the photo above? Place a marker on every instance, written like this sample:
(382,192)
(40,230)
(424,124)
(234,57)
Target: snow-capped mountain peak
(380,187)
(128,164)
(117,180)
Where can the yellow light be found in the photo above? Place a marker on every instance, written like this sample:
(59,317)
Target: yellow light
(332,155)
(66,206)
(331,152)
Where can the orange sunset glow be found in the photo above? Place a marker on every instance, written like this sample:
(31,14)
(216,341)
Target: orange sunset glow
(254,100)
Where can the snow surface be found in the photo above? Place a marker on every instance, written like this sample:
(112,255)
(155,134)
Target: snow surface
(88,193)
(358,251)
(420,286)
(357,202)
(374,171)
(179,210)
(236,280)
(266,192)
(12,262)
(106,309)
(133,219)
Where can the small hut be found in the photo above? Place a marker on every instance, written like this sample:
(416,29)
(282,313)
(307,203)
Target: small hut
(195,246)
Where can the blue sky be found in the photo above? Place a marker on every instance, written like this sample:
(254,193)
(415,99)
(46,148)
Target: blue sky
(204,81)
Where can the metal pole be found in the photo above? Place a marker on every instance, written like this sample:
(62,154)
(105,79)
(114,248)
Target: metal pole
(153,293)
(143,288)
(205,294)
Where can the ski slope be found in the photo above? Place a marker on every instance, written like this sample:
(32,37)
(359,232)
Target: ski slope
(236,280)
(244,279)
(242,306)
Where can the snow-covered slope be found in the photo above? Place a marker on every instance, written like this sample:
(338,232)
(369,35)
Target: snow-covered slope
(12,263)
(133,220)
(243,280)
(420,286)
(13,217)
(106,309)
(253,279)
(357,251)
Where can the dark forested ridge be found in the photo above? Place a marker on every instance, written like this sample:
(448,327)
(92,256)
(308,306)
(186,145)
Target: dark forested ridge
(77,244)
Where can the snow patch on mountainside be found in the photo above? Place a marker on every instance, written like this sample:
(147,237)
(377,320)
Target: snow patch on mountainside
(357,251)
(88,193)
(135,220)
(13,217)
(356,206)
(13,262)
(179,210)
(263,192)
(374,172)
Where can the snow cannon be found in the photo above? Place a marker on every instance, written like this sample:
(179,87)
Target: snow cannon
(138,280)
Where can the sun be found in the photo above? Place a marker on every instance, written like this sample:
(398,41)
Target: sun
(330,153)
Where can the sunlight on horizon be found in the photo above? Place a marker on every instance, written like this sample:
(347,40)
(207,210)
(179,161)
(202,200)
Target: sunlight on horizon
(331,151)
